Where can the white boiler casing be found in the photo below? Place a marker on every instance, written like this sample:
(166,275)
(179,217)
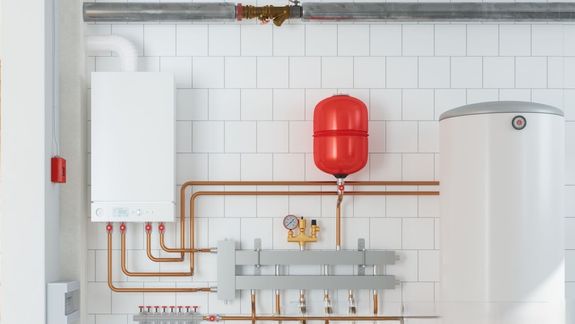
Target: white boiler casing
(502,249)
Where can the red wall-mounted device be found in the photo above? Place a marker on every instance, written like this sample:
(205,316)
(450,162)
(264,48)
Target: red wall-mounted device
(340,135)
(58,166)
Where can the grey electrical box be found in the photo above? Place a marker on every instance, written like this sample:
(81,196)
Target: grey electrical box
(63,302)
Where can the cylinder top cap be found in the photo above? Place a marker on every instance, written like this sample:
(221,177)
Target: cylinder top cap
(497,107)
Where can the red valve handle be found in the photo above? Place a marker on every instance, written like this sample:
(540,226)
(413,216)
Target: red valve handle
(109,227)
(161,227)
(122,227)
(148,227)
(212,318)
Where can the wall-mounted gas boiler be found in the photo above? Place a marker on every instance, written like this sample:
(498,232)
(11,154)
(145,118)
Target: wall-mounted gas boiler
(133,147)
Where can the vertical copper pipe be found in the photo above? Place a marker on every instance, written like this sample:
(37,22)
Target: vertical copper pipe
(253,302)
(375,295)
(277,302)
(375,303)
(338,222)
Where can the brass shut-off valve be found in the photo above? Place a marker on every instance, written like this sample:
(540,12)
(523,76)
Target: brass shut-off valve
(277,14)
(301,236)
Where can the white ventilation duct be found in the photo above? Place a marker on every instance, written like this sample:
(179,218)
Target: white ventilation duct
(119,45)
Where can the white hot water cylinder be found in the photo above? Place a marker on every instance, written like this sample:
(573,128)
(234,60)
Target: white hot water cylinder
(502,249)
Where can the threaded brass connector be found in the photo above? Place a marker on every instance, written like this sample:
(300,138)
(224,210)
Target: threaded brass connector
(264,13)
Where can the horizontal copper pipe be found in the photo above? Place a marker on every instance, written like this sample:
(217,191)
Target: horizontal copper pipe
(317,318)
(197,194)
(309,183)
(144,274)
(150,289)
(168,249)
(187,184)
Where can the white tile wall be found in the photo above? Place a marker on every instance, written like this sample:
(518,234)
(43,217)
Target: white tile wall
(246,94)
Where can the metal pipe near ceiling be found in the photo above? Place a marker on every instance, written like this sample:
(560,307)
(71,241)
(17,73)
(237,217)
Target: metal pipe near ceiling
(438,11)
(167,11)
(326,11)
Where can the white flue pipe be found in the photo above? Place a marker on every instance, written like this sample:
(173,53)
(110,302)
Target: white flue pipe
(121,46)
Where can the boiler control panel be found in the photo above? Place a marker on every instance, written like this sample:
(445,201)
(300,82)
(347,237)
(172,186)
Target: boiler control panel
(126,212)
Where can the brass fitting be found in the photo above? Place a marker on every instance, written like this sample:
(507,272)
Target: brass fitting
(264,13)
(301,237)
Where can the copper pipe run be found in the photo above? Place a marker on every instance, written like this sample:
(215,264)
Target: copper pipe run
(253,302)
(151,289)
(188,184)
(340,189)
(149,250)
(284,193)
(375,295)
(144,274)
(178,250)
(375,302)
(296,318)
(277,303)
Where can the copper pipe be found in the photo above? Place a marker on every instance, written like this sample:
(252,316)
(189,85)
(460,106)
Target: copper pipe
(178,250)
(145,274)
(284,193)
(297,318)
(187,184)
(151,289)
(253,302)
(375,295)
(277,303)
(149,251)
(338,221)
(308,183)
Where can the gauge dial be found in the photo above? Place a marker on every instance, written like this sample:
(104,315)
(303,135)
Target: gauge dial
(291,222)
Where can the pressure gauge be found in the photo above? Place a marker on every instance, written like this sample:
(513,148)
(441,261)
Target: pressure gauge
(291,222)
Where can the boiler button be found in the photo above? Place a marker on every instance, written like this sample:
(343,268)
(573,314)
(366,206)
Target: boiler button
(99,212)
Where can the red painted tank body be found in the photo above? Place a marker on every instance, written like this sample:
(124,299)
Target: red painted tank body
(340,126)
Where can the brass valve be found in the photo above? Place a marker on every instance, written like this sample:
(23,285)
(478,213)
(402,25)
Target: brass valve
(264,13)
(301,237)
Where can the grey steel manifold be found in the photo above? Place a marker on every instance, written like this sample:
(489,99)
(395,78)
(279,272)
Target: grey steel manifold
(229,259)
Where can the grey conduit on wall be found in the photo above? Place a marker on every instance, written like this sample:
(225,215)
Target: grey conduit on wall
(325,11)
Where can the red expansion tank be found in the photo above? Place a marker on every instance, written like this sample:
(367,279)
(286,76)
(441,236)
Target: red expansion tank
(340,135)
